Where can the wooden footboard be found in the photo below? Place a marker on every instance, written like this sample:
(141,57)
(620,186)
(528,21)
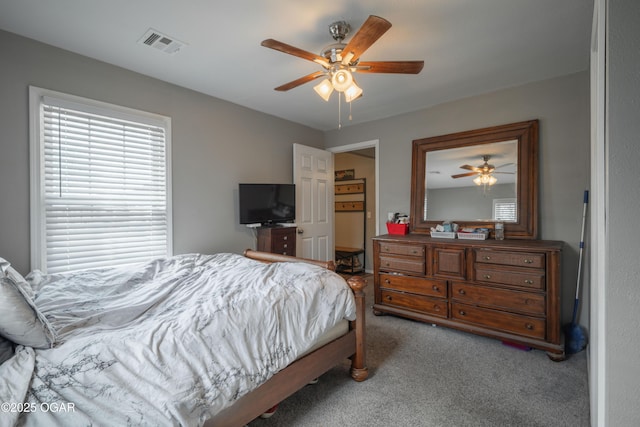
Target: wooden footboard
(302,371)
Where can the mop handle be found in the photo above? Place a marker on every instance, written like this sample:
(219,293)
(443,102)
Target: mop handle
(584,214)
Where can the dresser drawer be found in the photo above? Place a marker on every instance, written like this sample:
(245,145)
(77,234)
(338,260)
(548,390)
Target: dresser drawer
(423,304)
(516,323)
(519,259)
(518,301)
(398,249)
(524,279)
(435,288)
(409,265)
(284,247)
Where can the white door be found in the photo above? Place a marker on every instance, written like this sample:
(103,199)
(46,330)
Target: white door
(313,176)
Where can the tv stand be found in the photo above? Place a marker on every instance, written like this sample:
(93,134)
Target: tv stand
(277,239)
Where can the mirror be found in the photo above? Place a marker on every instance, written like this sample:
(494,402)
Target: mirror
(476,178)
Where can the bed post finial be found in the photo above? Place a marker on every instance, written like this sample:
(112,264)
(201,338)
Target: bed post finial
(359,370)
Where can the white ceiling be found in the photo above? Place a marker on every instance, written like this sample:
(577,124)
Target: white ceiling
(469,46)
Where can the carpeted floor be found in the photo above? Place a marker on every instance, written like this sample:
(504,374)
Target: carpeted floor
(420,375)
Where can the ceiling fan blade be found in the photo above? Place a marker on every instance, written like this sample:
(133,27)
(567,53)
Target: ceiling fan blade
(506,173)
(300,81)
(401,67)
(372,29)
(505,165)
(471,168)
(462,175)
(292,50)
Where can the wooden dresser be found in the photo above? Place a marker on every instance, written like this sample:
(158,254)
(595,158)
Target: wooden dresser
(508,289)
(277,240)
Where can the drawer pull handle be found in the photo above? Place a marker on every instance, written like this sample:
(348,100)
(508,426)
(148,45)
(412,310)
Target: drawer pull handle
(386,264)
(284,253)
(528,261)
(389,298)
(435,288)
(528,282)
(285,237)
(462,313)
(529,326)
(461,291)
(387,281)
(284,246)
(486,257)
(487,276)
(436,308)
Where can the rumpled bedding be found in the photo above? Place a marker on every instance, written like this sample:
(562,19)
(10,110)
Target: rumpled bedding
(171,342)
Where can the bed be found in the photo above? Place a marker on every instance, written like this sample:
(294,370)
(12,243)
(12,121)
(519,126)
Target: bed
(193,339)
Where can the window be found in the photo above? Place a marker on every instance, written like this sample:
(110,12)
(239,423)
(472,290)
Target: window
(100,192)
(504,210)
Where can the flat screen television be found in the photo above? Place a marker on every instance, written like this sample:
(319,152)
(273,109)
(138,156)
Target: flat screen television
(267,204)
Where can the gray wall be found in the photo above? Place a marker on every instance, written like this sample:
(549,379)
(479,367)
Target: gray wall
(215,145)
(561,105)
(622,247)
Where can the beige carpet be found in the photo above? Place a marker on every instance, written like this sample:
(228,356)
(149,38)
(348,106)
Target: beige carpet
(422,375)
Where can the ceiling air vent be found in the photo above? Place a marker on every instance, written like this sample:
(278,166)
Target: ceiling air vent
(161,41)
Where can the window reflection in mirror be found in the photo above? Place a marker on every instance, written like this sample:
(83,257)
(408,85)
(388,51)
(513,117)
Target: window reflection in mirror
(477,183)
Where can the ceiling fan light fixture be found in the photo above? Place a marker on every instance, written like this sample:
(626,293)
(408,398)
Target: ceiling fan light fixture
(340,60)
(485,179)
(341,80)
(324,89)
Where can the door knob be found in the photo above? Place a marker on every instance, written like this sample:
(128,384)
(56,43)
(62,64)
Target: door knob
(300,231)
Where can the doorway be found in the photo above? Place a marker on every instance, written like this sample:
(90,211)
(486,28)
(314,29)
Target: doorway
(356,229)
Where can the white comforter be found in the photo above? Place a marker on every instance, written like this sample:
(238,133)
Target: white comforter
(169,343)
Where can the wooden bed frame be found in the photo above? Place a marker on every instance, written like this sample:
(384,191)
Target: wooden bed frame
(302,371)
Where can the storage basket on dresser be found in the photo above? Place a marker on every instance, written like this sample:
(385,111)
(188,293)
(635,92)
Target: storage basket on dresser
(509,289)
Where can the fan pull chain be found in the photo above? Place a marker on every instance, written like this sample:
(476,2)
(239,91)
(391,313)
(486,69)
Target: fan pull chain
(339,112)
(350,117)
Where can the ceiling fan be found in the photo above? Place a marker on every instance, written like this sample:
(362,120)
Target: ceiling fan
(484,172)
(340,60)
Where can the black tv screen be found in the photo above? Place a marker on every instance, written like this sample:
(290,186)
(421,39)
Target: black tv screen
(267,203)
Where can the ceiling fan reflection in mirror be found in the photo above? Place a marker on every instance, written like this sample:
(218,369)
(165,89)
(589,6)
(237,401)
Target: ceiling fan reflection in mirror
(484,173)
(341,60)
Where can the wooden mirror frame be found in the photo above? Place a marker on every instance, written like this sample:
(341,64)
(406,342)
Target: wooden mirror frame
(526,133)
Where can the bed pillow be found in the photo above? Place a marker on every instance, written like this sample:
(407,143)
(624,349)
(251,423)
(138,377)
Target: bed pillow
(6,350)
(21,321)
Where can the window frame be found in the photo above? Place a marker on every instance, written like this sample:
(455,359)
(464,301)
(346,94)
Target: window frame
(37,159)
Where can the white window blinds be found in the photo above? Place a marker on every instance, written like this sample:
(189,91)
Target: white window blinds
(504,210)
(104,186)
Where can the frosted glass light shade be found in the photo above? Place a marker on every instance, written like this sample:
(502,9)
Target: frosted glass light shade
(324,89)
(341,80)
(353,92)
